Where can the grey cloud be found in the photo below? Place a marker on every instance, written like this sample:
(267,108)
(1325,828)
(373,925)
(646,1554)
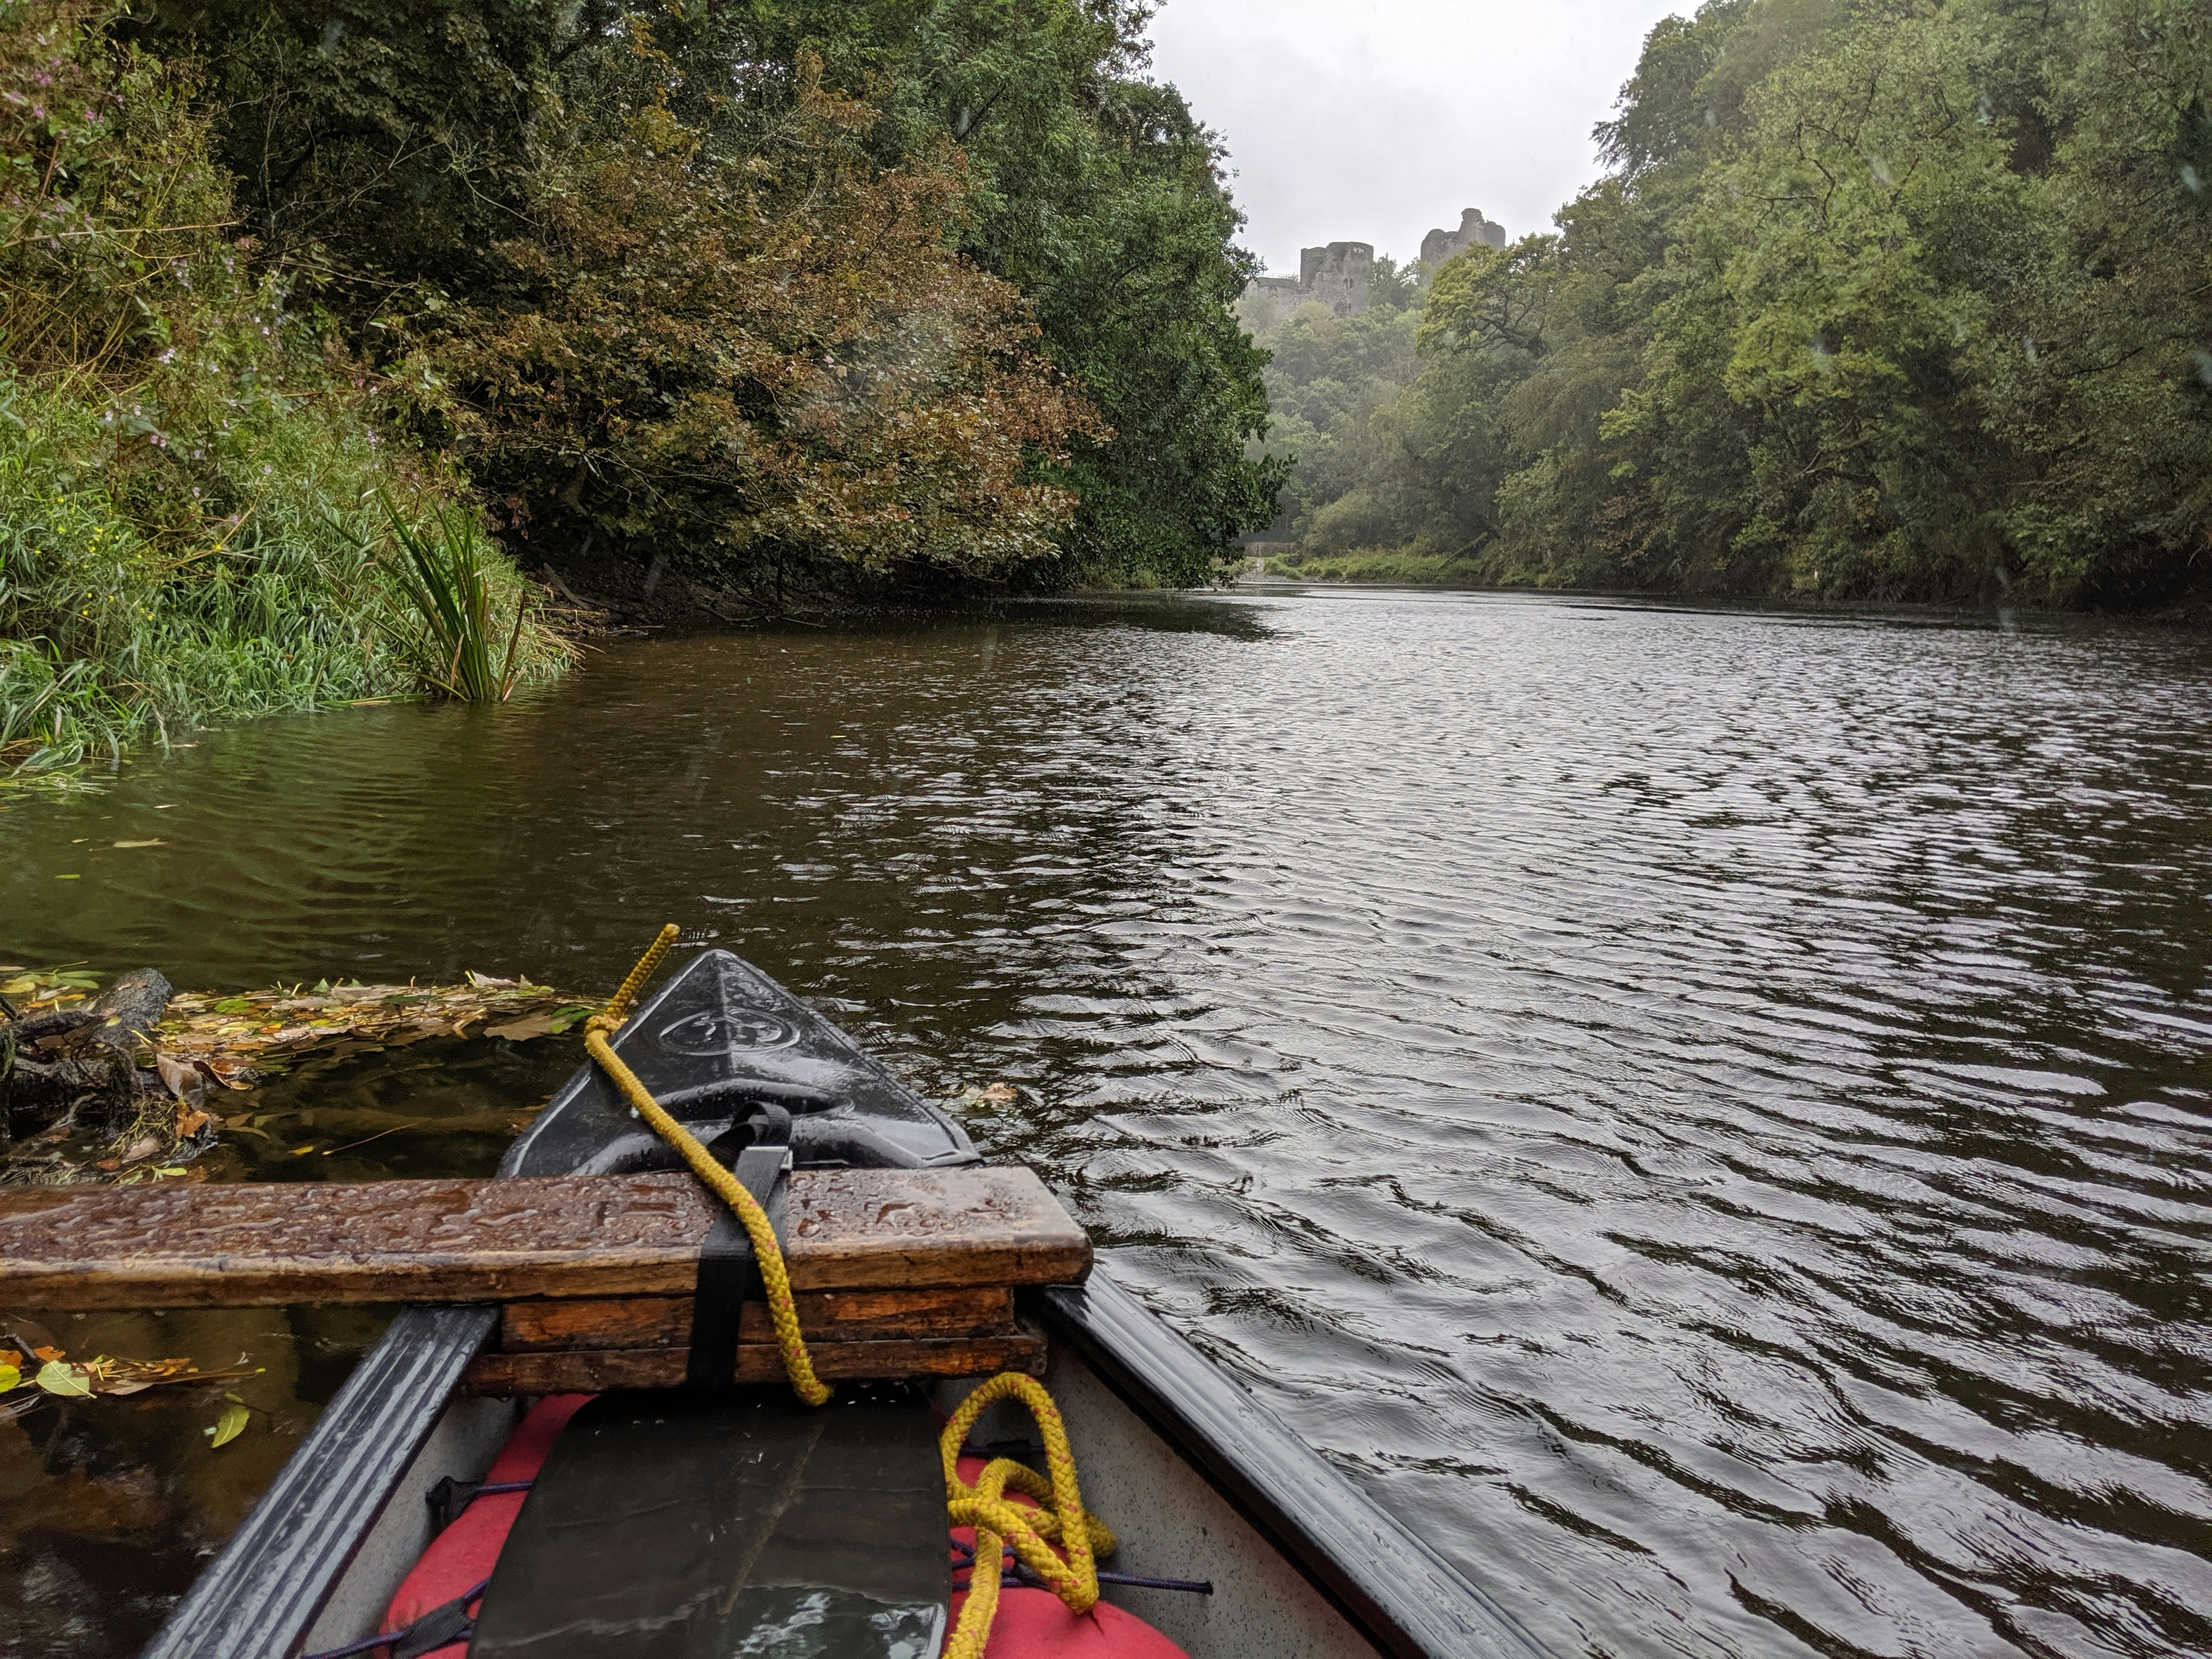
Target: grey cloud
(1375,122)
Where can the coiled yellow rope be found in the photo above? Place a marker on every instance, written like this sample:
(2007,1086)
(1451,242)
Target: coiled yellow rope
(598,1032)
(984,1506)
(998,1521)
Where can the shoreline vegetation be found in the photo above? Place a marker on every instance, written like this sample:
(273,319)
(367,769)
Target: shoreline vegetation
(1896,303)
(129,1084)
(634,311)
(647,312)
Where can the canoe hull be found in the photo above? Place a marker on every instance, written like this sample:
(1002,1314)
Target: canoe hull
(1200,1481)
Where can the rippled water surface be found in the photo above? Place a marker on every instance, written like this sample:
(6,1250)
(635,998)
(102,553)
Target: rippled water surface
(1706,1115)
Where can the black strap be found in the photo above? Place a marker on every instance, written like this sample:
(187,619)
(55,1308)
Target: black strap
(447,1622)
(728,1275)
(450,1497)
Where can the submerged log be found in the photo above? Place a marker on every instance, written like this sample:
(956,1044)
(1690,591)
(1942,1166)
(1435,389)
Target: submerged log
(76,1098)
(76,1066)
(130,1008)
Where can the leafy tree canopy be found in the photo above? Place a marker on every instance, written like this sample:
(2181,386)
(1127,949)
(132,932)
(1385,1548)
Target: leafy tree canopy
(403,148)
(1900,299)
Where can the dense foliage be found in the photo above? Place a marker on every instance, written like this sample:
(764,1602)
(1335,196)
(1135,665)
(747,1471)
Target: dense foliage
(779,366)
(182,466)
(814,300)
(441,165)
(1883,298)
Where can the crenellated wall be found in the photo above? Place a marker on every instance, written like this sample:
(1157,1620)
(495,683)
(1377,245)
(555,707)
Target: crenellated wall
(1338,275)
(1439,246)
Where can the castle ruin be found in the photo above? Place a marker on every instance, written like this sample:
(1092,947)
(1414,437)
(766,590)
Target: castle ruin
(1335,276)
(1338,275)
(1439,246)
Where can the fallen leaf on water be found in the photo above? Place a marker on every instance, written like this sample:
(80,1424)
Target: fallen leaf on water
(231,1424)
(183,1080)
(109,1164)
(124,1377)
(521,1030)
(301,1151)
(1001,1093)
(190,1121)
(59,1377)
(72,876)
(10,1379)
(146,1172)
(9,1357)
(45,1353)
(157,842)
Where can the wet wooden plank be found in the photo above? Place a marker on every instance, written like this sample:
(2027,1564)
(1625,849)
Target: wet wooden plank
(595,1370)
(664,1322)
(213,1245)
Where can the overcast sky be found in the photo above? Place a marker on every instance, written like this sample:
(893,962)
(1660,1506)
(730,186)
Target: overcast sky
(1372,120)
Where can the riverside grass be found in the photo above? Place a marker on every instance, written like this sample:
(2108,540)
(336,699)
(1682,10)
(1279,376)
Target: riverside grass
(115,630)
(446,569)
(193,472)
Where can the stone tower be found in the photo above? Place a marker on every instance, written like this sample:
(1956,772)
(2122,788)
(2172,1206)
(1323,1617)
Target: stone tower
(1439,246)
(1338,275)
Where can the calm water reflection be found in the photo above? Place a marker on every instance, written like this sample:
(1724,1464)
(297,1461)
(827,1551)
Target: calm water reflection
(1706,1114)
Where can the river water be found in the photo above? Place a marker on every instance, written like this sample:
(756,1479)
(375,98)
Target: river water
(1703,1113)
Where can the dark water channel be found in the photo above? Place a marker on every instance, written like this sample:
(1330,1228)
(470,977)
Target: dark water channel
(1706,1115)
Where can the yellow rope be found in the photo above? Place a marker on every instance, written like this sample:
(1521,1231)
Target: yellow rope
(598,1033)
(998,1521)
(984,1506)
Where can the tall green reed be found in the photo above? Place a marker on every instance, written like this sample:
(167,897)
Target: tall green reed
(445,570)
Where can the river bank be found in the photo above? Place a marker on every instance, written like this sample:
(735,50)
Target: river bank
(1385,569)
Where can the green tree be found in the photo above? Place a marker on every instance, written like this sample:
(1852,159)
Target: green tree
(1893,299)
(392,144)
(772,366)
(183,455)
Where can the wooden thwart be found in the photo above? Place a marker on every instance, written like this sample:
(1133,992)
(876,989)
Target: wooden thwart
(592,1370)
(664,1322)
(613,1238)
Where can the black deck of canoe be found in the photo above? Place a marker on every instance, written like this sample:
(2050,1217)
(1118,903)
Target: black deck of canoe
(717,1039)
